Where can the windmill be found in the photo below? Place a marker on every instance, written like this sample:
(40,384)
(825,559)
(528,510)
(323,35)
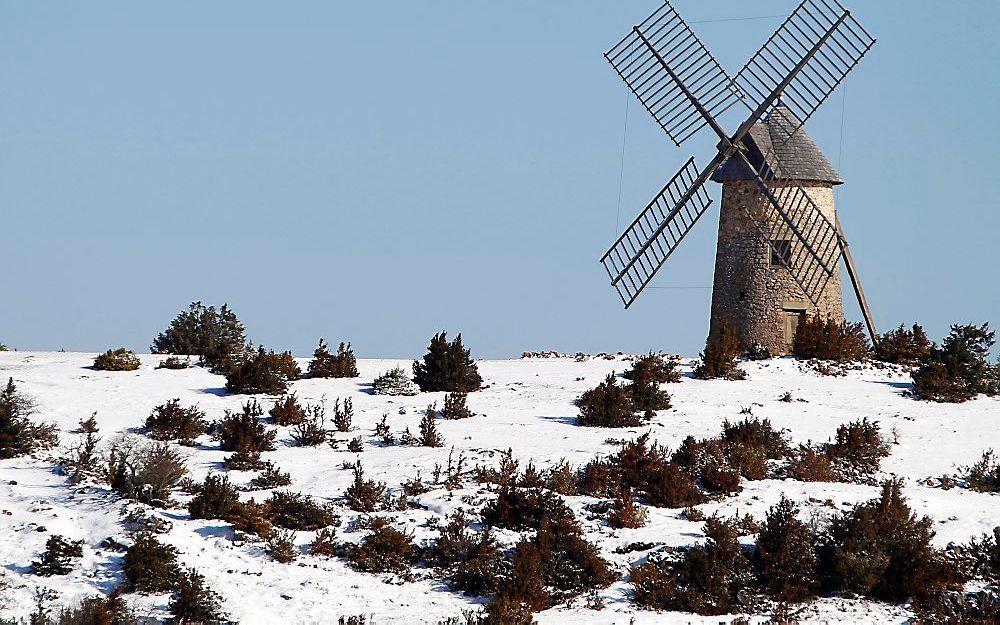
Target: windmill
(780,242)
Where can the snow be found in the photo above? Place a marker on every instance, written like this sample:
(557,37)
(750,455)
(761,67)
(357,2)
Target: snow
(527,407)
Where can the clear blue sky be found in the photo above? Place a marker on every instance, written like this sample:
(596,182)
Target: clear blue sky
(379,171)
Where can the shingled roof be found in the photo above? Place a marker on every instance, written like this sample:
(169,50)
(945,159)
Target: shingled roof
(790,155)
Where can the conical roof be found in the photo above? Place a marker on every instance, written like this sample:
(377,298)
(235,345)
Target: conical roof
(790,155)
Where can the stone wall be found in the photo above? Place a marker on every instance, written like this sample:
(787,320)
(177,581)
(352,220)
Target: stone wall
(761,301)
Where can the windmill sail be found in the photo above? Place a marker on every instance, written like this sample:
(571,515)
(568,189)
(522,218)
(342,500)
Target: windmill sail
(647,243)
(659,60)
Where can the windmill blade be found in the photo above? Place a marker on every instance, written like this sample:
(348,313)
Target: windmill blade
(825,39)
(815,246)
(646,244)
(672,73)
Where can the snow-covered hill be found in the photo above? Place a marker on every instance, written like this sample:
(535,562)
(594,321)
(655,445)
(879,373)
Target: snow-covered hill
(527,407)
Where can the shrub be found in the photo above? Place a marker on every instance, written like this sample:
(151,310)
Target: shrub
(709,579)
(339,365)
(364,495)
(270,477)
(82,459)
(262,372)
(150,566)
(721,356)
(429,436)
(355,445)
(984,475)
(194,602)
(170,421)
(119,359)
(858,449)
(523,509)
(384,550)
(394,382)
(325,543)
(626,511)
(252,520)
(654,368)
(243,461)
(523,588)
(58,557)
(243,432)
(174,362)
(280,545)
(880,549)
(455,406)
(18,434)
(607,405)
(287,411)
(810,465)
(649,397)
(312,430)
(216,499)
(903,347)
(468,562)
(958,370)
(758,434)
(569,564)
(830,340)
(447,367)
(111,610)
(342,417)
(295,511)
(145,473)
(206,332)
(784,557)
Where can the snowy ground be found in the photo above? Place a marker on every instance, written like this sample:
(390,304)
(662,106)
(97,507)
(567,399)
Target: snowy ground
(527,408)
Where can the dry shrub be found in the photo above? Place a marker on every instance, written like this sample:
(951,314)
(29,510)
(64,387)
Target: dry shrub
(720,359)
(244,461)
(857,450)
(830,340)
(757,433)
(270,477)
(903,347)
(608,405)
(252,520)
(111,610)
(170,421)
(325,543)
(523,508)
(984,475)
(312,430)
(143,472)
(261,372)
(120,359)
(339,365)
(394,382)
(243,431)
(217,498)
(364,495)
(880,549)
(150,566)
(455,406)
(287,411)
(194,601)
(280,545)
(569,564)
(784,556)
(468,561)
(384,550)
(654,368)
(811,465)
(174,363)
(343,414)
(626,511)
(295,511)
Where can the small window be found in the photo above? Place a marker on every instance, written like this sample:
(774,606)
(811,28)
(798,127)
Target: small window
(781,253)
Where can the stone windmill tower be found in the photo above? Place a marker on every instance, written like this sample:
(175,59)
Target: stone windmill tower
(753,291)
(780,243)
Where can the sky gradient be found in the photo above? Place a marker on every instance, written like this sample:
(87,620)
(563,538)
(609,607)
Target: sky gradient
(376,172)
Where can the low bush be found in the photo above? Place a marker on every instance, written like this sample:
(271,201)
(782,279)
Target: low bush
(984,475)
(150,566)
(298,512)
(261,372)
(720,360)
(429,435)
(312,430)
(364,495)
(119,359)
(608,405)
(812,465)
(759,434)
(327,365)
(447,366)
(784,556)
(626,511)
(325,543)
(270,477)
(570,565)
(343,415)
(216,499)
(468,561)
(243,431)
(394,382)
(880,549)
(524,508)
(58,557)
(654,368)
(287,411)
(958,370)
(280,545)
(111,610)
(243,461)
(857,450)
(384,550)
(830,340)
(174,363)
(19,435)
(648,397)
(170,421)
(903,347)
(143,472)
(455,406)
(194,602)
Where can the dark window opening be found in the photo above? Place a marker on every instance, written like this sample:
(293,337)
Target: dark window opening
(781,253)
